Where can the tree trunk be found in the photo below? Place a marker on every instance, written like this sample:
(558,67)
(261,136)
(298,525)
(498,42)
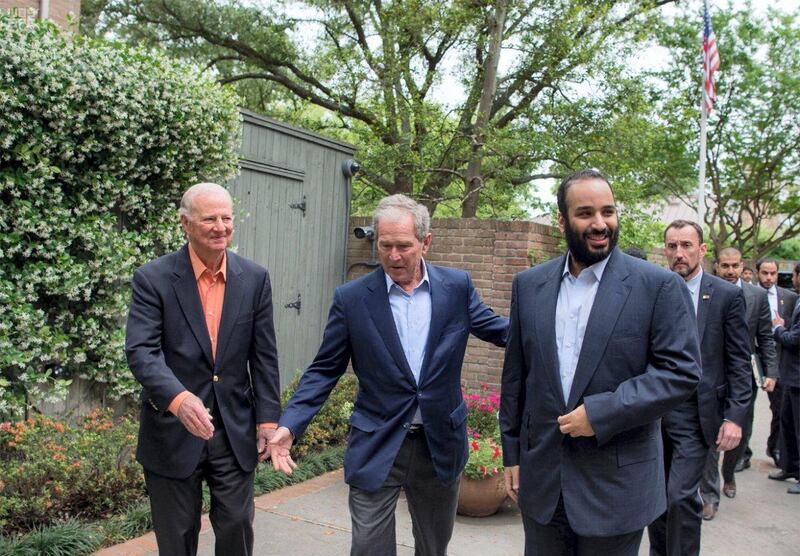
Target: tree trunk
(473,182)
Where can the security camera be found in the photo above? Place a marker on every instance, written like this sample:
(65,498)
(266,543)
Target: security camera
(364,232)
(350,167)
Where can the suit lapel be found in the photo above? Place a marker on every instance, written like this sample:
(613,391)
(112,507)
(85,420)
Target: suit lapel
(703,305)
(185,287)
(608,302)
(545,301)
(231,304)
(439,295)
(377,302)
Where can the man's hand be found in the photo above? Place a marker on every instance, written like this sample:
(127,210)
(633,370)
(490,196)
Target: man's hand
(777,320)
(195,417)
(512,482)
(730,434)
(279,446)
(576,423)
(769,385)
(264,435)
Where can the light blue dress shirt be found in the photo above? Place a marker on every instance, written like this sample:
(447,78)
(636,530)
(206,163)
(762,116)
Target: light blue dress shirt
(693,285)
(575,300)
(412,319)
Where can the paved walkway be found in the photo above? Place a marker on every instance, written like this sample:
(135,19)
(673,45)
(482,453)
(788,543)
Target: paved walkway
(312,519)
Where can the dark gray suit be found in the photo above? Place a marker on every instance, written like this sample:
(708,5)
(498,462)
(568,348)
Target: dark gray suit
(691,429)
(788,336)
(638,360)
(762,344)
(786,303)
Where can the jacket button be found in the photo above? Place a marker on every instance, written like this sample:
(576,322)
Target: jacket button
(215,378)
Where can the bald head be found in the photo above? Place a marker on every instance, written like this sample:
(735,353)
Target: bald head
(205,189)
(729,264)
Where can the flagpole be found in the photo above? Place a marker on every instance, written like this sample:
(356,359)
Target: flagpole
(701,189)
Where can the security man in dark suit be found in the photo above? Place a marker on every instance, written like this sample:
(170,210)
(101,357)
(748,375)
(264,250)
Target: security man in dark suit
(762,348)
(715,416)
(201,342)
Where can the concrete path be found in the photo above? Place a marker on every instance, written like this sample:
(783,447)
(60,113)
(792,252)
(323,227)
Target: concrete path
(312,519)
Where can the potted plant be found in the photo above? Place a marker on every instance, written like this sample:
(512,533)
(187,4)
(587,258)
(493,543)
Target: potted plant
(482,489)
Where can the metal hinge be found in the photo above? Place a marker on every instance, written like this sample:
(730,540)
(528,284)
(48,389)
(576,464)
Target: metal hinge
(294,304)
(301,205)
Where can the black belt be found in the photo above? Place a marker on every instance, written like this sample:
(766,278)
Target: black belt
(415,429)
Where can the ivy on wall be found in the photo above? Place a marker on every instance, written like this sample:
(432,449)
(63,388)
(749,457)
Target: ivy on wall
(97,143)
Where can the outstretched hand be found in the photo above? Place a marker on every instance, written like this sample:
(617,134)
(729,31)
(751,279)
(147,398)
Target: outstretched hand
(279,446)
(195,417)
(263,436)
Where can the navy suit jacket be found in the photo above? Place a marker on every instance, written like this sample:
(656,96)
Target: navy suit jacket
(639,359)
(726,386)
(169,350)
(788,336)
(361,328)
(759,326)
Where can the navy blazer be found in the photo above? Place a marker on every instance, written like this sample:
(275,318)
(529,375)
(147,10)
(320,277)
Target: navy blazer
(726,386)
(759,326)
(169,350)
(361,328)
(788,336)
(639,359)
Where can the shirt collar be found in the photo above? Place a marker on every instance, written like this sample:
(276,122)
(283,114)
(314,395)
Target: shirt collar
(739,283)
(773,290)
(199,267)
(390,282)
(597,268)
(694,283)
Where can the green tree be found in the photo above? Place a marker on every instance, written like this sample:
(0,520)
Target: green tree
(377,69)
(753,149)
(97,143)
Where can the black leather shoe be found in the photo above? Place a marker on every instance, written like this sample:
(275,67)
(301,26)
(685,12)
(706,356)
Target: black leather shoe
(776,456)
(729,489)
(709,511)
(741,465)
(783,475)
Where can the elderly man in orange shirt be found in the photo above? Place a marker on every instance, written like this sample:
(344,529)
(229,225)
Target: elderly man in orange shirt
(201,341)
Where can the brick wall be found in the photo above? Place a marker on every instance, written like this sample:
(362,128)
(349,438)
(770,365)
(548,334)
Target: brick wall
(492,252)
(58,12)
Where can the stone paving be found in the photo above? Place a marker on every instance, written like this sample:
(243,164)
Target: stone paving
(312,519)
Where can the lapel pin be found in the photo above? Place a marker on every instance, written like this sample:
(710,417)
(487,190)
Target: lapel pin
(706,296)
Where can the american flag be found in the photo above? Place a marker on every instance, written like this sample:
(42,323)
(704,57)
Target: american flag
(710,61)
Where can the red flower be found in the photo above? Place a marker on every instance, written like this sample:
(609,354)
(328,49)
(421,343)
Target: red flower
(475,446)
(496,453)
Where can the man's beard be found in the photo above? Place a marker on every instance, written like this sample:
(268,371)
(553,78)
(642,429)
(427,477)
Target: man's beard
(684,273)
(579,245)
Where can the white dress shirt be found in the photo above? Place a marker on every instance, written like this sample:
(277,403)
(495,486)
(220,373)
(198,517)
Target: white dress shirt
(693,285)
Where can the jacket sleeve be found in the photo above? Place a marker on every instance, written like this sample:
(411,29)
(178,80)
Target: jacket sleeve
(765,343)
(512,397)
(484,322)
(737,361)
(263,359)
(143,344)
(671,374)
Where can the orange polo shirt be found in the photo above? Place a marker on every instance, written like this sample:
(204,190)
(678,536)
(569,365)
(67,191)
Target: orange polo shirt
(211,287)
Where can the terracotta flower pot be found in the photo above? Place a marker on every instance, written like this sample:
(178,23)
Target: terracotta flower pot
(481,497)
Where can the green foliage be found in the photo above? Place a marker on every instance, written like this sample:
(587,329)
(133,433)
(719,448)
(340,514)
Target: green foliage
(97,143)
(753,164)
(49,471)
(485,458)
(404,79)
(331,425)
(69,538)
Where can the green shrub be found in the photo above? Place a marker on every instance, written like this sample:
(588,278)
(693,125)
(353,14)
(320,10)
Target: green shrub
(50,472)
(69,538)
(97,143)
(331,425)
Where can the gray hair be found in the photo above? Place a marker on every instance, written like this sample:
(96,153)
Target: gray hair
(187,201)
(394,206)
